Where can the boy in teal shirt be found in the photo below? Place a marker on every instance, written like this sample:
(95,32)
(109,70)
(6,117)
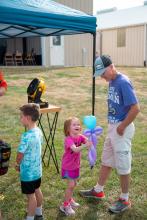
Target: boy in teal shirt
(28,161)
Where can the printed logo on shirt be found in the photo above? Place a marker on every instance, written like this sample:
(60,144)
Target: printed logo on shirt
(112,111)
(113,96)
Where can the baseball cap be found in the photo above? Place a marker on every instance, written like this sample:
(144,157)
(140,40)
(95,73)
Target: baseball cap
(101,63)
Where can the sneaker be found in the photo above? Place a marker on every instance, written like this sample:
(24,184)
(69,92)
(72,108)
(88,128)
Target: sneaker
(74,204)
(67,210)
(120,205)
(38,217)
(92,194)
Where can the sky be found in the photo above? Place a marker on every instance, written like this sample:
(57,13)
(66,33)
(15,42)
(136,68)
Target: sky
(120,4)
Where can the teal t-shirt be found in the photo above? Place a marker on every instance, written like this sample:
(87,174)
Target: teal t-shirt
(30,146)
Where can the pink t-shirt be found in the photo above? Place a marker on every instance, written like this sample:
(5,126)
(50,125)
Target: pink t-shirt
(70,159)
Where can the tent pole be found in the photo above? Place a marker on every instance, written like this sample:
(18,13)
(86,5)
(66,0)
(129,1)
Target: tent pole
(93,78)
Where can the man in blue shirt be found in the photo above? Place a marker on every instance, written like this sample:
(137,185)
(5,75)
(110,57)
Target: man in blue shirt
(123,108)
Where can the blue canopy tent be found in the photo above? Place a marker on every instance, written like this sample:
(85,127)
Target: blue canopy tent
(30,18)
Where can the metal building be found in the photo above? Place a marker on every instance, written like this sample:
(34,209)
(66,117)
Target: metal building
(122,34)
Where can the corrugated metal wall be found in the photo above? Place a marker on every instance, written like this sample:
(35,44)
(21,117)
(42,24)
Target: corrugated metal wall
(78,48)
(14,44)
(130,55)
(46,47)
(99,43)
(34,42)
(145,44)
(82,5)
(17,44)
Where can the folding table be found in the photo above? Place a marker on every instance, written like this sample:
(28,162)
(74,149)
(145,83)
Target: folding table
(51,116)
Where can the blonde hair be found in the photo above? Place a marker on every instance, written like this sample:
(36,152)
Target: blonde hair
(67,124)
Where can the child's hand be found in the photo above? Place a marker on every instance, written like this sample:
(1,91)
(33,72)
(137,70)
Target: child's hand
(88,144)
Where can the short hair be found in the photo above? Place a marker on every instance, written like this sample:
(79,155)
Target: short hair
(32,110)
(67,124)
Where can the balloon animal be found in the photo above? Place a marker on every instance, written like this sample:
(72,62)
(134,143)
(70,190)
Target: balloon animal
(92,132)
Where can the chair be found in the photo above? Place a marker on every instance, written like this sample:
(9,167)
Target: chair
(8,59)
(18,59)
(30,60)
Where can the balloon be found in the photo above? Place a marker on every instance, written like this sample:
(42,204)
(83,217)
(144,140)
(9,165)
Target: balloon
(92,133)
(92,156)
(90,121)
(94,139)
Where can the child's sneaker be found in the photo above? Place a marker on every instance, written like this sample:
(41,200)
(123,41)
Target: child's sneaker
(120,205)
(67,210)
(92,194)
(74,204)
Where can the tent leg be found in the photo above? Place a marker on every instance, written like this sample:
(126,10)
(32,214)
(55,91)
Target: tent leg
(93,78)
(24,42)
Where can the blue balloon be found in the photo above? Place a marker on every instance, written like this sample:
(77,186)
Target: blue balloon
(90,121)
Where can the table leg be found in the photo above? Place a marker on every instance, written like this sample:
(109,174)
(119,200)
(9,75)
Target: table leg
(50,140)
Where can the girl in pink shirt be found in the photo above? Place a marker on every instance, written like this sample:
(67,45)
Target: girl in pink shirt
(73,144)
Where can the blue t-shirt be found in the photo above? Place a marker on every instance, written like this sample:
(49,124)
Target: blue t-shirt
(30,146)
(121,96)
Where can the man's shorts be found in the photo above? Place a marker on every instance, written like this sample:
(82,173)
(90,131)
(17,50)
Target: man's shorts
(117,149)
(29,187)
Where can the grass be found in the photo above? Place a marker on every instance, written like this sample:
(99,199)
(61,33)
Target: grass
(70,88)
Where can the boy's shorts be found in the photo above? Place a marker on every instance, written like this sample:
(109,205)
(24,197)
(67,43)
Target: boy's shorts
(29,187)
(117,149)
(70,174)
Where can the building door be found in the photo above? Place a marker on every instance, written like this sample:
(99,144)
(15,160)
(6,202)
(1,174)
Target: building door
(57,51)
(3,48)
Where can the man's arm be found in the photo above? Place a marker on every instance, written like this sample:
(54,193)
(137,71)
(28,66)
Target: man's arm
(134,110)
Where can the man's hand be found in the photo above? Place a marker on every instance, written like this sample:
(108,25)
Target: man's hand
(121,129)
(134,110)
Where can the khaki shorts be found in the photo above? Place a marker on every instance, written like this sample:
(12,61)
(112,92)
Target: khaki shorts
(117,149)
